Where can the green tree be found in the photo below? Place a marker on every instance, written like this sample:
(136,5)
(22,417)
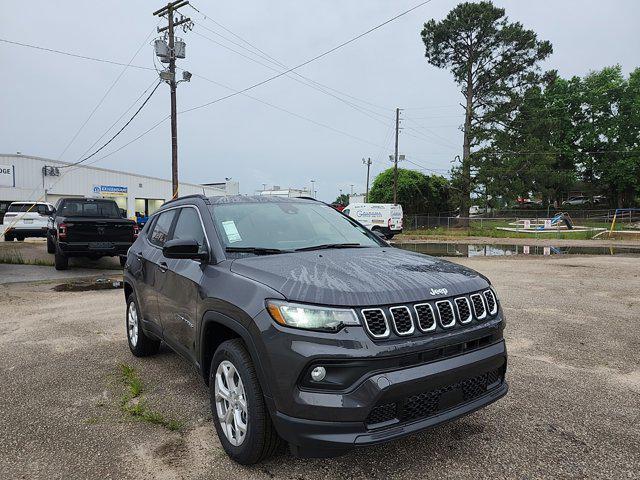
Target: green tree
(535,151)
(610,133)
(417,193)
(342,199)
(493,61)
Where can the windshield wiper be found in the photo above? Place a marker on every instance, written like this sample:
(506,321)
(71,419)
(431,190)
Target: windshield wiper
(256,250)
(331,245)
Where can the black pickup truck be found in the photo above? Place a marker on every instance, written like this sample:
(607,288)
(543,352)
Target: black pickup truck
(88,227)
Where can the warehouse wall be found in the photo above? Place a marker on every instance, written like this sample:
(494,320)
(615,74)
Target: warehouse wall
(21,178)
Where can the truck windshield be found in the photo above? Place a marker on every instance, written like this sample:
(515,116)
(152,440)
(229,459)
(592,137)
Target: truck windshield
(90,208)
(284,226)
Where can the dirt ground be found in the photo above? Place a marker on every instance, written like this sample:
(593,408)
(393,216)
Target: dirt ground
(573,410)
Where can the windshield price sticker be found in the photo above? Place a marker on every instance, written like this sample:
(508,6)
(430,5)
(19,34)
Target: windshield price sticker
(231,231)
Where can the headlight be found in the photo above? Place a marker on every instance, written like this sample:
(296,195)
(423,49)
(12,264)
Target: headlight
(311,317)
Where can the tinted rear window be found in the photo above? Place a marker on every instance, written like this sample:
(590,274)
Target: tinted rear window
(21,207)
(90,208)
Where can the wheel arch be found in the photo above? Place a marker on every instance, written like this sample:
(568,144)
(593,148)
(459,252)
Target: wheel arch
(217,328)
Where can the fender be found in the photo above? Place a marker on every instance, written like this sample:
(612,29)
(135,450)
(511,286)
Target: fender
(234,325)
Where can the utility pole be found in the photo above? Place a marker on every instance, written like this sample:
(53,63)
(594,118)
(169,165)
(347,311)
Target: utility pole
(368,164)
(168,54)
(395,160)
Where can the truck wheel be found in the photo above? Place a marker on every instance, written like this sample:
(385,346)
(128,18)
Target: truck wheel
(20,238)
(123,260)
(240,415)
(61,261)
(140,344)
(51,248)
(8,237)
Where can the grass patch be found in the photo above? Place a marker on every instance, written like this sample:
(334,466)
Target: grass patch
(15,258)
(134,404)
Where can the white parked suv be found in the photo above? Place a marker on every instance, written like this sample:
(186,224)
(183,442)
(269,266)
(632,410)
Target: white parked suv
(26,219)
(383,217)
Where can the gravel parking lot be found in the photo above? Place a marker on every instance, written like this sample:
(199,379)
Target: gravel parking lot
(573,411)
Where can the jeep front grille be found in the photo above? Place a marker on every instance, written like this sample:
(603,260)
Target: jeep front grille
(447,316)
(464,309)
(402,321)
(426,317)
(376,322)
(478,306)
(492,305)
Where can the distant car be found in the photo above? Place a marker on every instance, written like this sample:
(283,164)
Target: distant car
(89,227)
(26,219)
(577,200)
(385,218)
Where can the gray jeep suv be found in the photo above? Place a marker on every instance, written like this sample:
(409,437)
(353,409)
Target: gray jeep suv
(308,328)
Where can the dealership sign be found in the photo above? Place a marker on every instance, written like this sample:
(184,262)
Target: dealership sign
(110,190)
(7,176)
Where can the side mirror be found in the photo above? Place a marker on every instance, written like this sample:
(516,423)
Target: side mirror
(184,248)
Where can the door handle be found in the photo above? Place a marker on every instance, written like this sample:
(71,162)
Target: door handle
(139,255)
(163,267)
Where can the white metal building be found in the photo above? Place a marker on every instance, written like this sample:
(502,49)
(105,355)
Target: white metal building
(277,191)
(24,177)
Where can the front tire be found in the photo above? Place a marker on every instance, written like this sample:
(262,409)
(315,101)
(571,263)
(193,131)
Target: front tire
(240,415)
(8,237)
(140,344)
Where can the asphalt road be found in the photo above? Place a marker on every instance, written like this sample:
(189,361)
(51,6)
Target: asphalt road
(573,410)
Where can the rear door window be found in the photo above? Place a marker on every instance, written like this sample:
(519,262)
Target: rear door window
(161,228)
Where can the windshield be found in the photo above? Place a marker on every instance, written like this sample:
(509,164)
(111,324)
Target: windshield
(287,226)
(90,208)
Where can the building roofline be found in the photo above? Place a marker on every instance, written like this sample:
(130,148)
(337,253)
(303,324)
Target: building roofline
(50,160)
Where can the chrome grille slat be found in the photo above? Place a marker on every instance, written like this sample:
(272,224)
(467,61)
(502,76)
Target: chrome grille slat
(464,310)
(425,316)
(479,310)
(402,321)
(492,304)
(446,313)
(375,322)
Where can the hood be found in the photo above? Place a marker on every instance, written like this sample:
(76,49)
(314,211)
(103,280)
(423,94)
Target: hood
(359,277)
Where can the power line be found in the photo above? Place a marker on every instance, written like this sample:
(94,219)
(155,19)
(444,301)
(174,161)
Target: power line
(313,59)
(119,118)
(69,54)
(265,56)
(113,84)
(119,131)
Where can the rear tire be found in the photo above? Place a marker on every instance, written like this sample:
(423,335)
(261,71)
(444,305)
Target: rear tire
(260,439)
(123,261)
(20,238)
(61,261)
(51,247)
(8,237)
(140,344)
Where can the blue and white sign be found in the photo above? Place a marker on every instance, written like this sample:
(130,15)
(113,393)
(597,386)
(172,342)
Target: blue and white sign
(7,176)
(109,190)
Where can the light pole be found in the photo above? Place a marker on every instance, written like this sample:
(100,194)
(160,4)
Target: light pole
(368,164)
(313,188)
(352,189)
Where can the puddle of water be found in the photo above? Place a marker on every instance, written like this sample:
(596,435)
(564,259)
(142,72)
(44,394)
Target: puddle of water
(497,250)
(87,285)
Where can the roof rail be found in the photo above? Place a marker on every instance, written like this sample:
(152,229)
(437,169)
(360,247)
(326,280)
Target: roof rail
(195,195)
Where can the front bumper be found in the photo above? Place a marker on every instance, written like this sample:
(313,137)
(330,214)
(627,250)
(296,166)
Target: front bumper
(422,396)
(339,416)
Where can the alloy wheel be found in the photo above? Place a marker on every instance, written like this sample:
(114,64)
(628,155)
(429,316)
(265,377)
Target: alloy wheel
(231,402)
(132,324)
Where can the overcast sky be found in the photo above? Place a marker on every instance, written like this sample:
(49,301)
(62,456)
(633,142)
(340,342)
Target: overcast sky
(46,97)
